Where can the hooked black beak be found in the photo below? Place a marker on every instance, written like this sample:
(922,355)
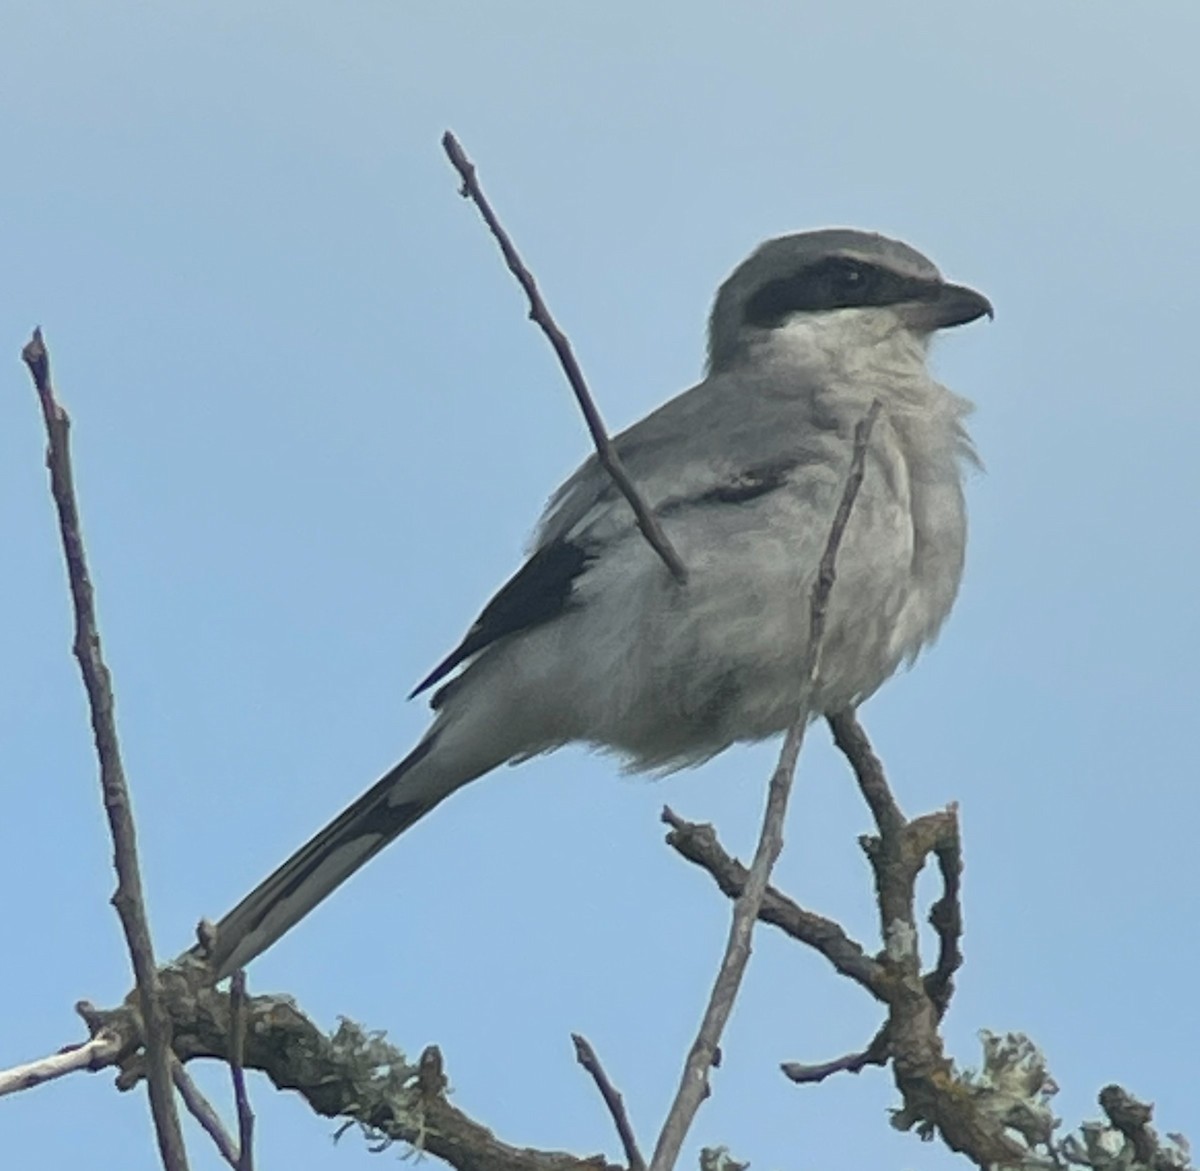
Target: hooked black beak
(943,306)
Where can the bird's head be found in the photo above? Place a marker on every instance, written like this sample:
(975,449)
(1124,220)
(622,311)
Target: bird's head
(834,288)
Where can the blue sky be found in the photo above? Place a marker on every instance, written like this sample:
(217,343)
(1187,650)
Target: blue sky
(313,428)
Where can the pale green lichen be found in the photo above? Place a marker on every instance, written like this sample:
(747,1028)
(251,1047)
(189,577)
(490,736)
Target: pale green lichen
(1014,1087)
(719,1159)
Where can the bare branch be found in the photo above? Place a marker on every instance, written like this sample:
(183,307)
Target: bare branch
(237,1051)
(586,1056)
(850,738)
(103,1049)
(128,898)
(699,844)
(202,1110)
(945,916)
(694,1084)
(876,1053)
(540,314)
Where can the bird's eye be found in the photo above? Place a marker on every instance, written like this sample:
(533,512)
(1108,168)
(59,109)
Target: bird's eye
(849,277)
(834,282)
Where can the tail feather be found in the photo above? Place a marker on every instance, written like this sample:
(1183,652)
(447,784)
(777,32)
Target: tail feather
(320,866)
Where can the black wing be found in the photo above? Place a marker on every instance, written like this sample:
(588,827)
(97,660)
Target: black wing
(539,591)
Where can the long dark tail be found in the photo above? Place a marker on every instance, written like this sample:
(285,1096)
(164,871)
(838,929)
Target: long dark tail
(400,798)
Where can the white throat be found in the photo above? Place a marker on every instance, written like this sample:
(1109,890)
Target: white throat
(847,345)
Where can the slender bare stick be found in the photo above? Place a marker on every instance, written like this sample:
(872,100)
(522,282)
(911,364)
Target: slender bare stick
(541,316)
(693,1086)
(876,1053)
(945,916)
(586,1056)
(128,899)
(849,736)
(699,845)
(201,1109)
(237,1055)
(100,1051)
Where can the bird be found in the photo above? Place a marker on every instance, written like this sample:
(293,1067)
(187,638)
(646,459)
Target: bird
(594,641)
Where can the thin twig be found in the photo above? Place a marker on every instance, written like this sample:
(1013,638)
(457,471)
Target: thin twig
(586,1056)
(894,863)
(96,1053)
(128,898)
(850,738)
(237,1057)
(876,1053)
(541,316)
(693,1086)
(699,844)
(827,569)
(202,1110)
(945,916)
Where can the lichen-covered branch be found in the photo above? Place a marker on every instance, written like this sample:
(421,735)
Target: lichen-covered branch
(352,1074)
(999,1117)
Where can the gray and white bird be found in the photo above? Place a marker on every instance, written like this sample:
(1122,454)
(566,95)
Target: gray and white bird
(594,641)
